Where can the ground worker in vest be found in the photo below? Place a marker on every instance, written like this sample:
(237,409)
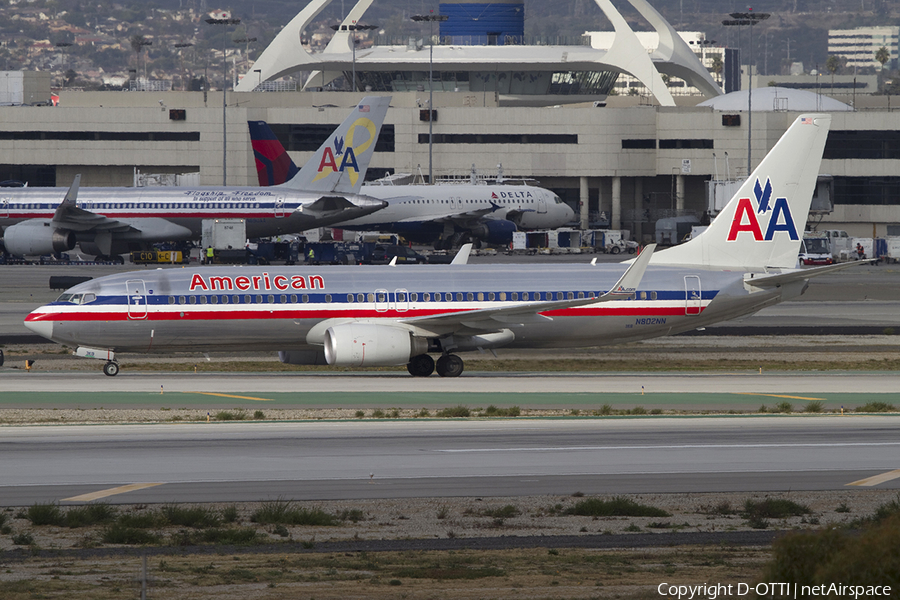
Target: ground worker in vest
(210,255)
(311,255)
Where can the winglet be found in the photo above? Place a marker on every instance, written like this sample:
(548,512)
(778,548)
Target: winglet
(73,191)
(631,279)
(462,257)
(69,201)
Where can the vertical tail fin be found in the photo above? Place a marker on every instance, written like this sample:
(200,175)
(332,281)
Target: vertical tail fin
(340,164)
(273,165)
(763,224)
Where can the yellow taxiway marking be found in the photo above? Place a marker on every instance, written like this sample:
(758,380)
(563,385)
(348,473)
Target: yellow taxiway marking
(111,492)
(776,396)
(870,481)
(231,396)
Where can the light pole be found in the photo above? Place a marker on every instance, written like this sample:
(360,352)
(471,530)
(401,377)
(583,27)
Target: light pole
(431,18)
(354,28)
(748,18)
(224,21)
(181,46)
(62,46)
(246,40)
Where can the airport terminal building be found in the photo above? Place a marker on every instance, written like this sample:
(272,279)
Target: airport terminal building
(625,161)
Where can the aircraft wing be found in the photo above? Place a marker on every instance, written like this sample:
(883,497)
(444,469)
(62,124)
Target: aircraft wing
(493,319)
(767,281)
(69,216)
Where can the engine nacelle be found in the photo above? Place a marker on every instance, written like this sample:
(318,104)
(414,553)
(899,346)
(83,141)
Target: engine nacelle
(371,345)
(37,237)
(496,231)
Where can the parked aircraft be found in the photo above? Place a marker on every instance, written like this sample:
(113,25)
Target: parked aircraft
(380,315)
(446,215)
(105,221)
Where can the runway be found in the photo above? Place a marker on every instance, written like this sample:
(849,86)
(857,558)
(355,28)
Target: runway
(222,462)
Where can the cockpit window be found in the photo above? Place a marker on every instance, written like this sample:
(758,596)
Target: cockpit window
(77,298)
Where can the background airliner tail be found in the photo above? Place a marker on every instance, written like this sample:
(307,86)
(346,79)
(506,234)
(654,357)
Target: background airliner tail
(340,164)
(762,225)
(273,165)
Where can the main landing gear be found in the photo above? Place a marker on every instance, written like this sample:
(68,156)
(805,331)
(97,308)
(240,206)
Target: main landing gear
(111,368)
(448,365)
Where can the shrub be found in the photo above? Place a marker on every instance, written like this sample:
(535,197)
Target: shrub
(360,414)
(638,410)
(774,508)
(233,535)
(285,512)
(493,411)
(91,514)
(615,507)
(816,406)
(197,517)
(784,407)
(378,413)
(227,415)
(605,410)
(504,512)
(454,412)
(45,514)
(259,415)
(876,407)
(118,534)
(230,514)
(23,539)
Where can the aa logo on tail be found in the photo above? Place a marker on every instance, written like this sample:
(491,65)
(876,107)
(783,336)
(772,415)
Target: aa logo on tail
(342,159)
(747,218)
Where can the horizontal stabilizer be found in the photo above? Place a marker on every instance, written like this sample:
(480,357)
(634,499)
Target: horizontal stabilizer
(768,281)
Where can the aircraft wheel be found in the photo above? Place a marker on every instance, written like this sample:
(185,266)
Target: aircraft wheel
(1,358)
(111,369)
(450,365)
(420,366)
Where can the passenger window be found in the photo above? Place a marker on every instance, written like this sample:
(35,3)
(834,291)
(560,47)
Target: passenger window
(224,299)
(248,299)
(305,298)
(271,299)
(259,299)
(193,299)
(459,296)
(202,299)
(426,297)
(171,299)
(213,299)
(293,298)
(181,299)
(481,296)
(491,296)
(350,298)
(515,295)
(371,297)
(470,296)
(653,295)
(328,298)
(570,295)
(360,297)
(283,299)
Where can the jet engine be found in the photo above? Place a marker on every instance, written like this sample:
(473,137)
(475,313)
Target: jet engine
(498,231)
(36,237)
(371,345)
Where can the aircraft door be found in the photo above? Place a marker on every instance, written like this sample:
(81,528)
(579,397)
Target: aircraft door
(136,292)
(381,300)
(541,204)
(692,295)
(401,299)
(279,207)
(4,207)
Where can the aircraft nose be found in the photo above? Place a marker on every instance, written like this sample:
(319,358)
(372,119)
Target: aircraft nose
(42,328)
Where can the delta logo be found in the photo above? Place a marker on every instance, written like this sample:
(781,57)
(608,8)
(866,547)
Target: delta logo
(747,217)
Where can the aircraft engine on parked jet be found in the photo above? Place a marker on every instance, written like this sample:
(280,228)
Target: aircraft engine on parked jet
(371,345)
(36,237)
(495,232)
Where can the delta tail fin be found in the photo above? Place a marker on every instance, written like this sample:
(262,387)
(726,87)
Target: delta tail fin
(273,164)
(339,165)
(762,225)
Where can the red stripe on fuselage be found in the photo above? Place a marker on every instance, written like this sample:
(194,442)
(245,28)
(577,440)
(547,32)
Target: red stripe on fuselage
(197,314)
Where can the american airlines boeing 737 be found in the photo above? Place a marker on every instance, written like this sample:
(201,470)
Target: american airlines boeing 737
(445,215)
(105,221)
(378,316)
